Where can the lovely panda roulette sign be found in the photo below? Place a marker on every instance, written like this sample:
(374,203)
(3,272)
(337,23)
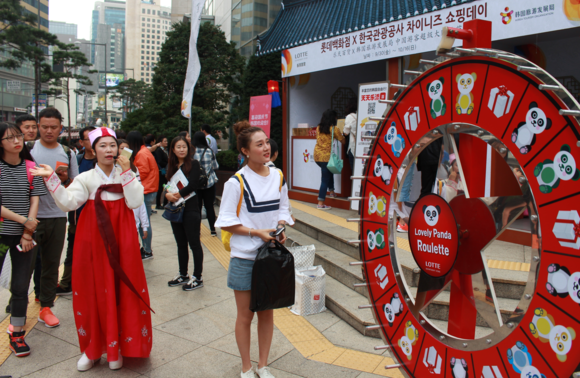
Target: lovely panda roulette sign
(530,121)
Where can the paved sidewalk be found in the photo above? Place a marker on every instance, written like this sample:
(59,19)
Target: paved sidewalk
(193,332)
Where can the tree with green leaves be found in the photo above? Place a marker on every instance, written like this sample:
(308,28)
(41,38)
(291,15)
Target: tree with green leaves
(132,93)
(219,81)
(72,62)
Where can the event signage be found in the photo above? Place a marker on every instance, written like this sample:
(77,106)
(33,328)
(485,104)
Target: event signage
(433,235)
(539,337)
(260,112)
(422,32)
(369,95)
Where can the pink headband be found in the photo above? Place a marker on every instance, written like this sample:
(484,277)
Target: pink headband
(101,132)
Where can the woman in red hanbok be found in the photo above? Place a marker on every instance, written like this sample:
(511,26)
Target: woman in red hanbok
(110,298)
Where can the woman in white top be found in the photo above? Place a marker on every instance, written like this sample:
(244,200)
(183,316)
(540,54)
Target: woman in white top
(265,206)
(350,130)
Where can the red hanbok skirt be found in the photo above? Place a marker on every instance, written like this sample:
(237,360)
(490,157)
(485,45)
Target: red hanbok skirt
(109,317)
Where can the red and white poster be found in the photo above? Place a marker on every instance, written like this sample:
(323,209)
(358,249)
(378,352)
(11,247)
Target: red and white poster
(433,235)
(260,112)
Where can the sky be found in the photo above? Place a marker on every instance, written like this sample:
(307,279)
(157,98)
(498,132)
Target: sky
(78,12)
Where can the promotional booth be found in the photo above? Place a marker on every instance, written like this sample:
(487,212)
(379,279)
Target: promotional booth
(323,65)
(504,101)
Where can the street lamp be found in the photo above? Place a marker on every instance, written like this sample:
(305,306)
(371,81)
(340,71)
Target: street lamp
(106,60)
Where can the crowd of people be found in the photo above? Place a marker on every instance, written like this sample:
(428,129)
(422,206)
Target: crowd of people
(100,196)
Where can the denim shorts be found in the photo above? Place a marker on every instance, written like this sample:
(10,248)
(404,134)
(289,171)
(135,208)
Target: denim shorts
(240,274)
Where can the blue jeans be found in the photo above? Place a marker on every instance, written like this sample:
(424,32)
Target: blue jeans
(149,201)
(327,181)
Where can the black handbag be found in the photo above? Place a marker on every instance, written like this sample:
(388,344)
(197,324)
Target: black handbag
(273,282)
(174,213)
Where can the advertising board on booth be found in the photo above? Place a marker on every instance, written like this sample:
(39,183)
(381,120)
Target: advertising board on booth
(422,33)
(260,112)
(369,95)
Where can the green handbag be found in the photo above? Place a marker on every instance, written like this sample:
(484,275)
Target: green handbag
(334,163)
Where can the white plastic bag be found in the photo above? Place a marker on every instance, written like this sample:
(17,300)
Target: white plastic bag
(6,275)
(303,256)
(310,291)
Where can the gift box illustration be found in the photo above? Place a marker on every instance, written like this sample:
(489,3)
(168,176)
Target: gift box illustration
(432,360)
(381,276)
(412,118)
(567,229)
(500,100)
(491,372)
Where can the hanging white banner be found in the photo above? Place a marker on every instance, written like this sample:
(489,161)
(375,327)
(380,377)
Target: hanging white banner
(193,64)
(422,33)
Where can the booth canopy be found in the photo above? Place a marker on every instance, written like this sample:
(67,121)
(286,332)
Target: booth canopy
(304,21)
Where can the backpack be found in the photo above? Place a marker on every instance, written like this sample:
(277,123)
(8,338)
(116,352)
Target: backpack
(29,165)
(226,236)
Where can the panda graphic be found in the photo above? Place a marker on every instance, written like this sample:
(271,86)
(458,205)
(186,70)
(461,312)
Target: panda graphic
(543,326)
(395,140)
(521,361)
(524,136)
(458,368)
(549,173)
(393,309)
(431,214)
(382,170)
(563,284)
(434,89)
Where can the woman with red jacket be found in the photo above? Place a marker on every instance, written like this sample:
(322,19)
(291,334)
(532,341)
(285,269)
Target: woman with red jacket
(145,162)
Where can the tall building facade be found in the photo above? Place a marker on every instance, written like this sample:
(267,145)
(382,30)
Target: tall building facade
(147,24)
(243,20)
(17,85)
(112,14)
(59,27)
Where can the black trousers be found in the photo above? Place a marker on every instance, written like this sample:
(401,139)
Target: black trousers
(185,233)
(206,197)
(20,282)
(162,181)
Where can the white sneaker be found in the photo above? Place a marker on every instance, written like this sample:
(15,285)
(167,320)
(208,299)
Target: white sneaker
(249,374)
(116,365)
(85,363)
(264,372)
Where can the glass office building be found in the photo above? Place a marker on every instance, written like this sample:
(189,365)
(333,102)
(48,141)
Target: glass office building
(250,18)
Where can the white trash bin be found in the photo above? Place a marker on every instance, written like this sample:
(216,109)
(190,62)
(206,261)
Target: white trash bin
(310,291)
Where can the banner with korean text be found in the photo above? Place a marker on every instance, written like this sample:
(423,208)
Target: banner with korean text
(369,106)
(422,33)
(260,112)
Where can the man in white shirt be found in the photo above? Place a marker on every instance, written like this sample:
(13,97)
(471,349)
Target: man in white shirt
(50,233)
(210,139)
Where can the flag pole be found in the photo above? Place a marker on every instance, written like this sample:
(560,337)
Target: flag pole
(189,121)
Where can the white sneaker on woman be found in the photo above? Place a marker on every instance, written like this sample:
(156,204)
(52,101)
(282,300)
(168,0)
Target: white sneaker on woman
(248,374)
(85,363)
(264,372)
(116,365)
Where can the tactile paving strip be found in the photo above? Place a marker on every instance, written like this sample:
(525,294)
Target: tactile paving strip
(304,336)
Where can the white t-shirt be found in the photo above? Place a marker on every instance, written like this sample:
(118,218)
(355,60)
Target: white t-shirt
(263,205)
